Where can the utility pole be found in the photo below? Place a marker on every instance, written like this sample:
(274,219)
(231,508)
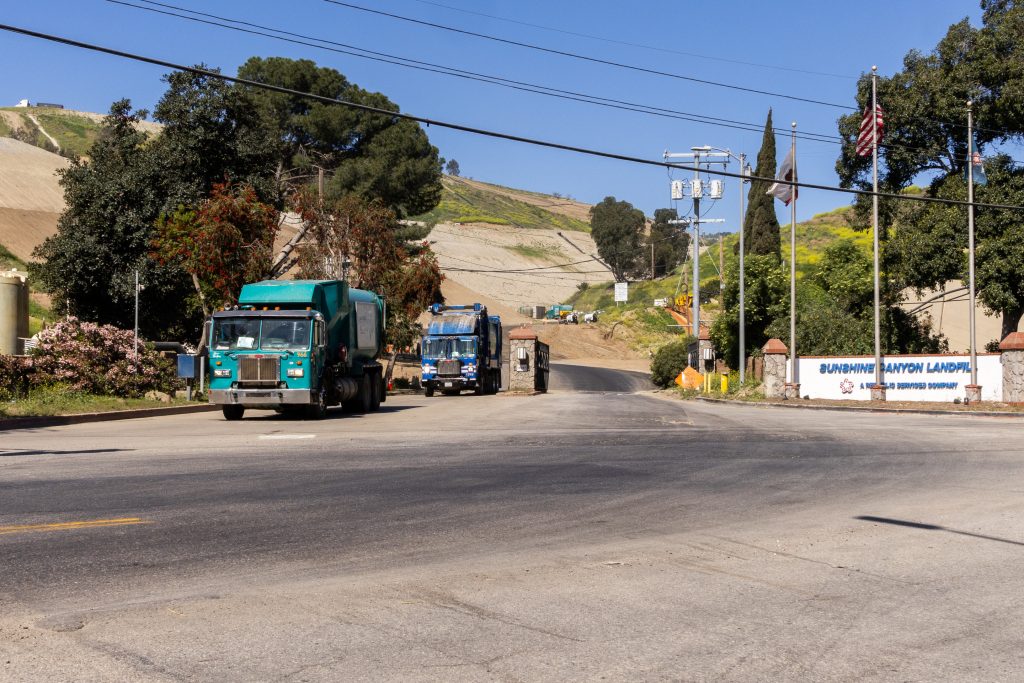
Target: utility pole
(706,156)
(970,251)
(744,170)
(136,315)
(721,265)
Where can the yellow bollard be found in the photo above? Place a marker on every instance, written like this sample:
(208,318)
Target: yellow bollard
(725,384)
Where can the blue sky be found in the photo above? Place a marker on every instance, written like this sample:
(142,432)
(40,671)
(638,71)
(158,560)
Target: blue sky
(807,49)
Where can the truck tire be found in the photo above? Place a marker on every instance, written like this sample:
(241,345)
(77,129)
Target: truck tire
(233,412)
(481,386)
(318,409)
(364,399)
(376,390)
(428,391)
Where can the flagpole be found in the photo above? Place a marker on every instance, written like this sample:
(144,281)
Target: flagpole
(970,250)
(794,373)
(879,388)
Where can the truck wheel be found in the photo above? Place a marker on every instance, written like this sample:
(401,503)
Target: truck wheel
(365,398)
(428,391)
(318,409)
(481,386)
(376,389)
(233,412)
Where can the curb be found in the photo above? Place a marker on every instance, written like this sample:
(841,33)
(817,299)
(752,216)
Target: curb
(61,420)
(859,409)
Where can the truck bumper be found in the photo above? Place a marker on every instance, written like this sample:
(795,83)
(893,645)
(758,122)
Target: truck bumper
(450,383)
(257,398)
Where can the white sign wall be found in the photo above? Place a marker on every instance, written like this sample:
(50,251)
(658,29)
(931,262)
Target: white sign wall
(907,377)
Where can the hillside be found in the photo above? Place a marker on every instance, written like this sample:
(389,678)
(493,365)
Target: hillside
(471,201)
(64,131)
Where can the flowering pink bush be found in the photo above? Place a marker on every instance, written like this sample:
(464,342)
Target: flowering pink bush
(98,359)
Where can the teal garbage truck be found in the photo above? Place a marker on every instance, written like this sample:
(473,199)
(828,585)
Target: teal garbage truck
(461,350)
(298,346)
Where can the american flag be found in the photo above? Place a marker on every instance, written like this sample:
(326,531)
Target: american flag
(864,140)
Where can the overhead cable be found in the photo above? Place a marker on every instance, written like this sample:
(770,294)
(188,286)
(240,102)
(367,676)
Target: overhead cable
(475,130)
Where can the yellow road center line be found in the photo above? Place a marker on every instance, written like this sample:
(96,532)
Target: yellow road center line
(67,526)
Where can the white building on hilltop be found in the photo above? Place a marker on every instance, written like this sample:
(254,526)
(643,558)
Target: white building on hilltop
(22,103)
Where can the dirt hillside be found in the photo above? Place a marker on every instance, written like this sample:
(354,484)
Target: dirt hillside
(536,266)
(30,198)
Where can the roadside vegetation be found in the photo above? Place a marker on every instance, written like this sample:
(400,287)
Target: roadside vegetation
(58,399)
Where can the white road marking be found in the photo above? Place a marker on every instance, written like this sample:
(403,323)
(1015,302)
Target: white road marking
(286,436)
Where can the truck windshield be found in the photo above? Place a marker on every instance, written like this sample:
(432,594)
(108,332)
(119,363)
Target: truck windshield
(435,347)
(464,348)
(286,333)
(446,347)
(236,333)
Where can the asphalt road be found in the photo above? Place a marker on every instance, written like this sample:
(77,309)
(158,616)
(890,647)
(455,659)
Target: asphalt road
(587,534)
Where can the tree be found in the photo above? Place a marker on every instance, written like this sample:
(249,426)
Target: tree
(223,244)
(617,229)
(358,241)
(761,225)
(212,134)
(767,298)
(933,241)
(374,156)
(452,168)
(670,242)
(925,132)
(112,201)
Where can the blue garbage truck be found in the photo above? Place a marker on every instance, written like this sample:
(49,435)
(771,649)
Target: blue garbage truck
(298,346)
(461,351)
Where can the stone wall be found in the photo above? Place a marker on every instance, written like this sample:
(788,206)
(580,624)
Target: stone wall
(1012,349)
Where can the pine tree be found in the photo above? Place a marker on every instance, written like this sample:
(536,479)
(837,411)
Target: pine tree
(761,227)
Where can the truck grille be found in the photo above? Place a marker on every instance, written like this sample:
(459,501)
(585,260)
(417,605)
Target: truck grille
(449,368)
(259,371)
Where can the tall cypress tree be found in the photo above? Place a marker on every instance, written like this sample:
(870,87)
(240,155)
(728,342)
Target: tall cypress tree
(761,227)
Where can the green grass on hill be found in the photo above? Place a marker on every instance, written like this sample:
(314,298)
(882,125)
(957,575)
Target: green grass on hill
(74,133)
(463,203)
(534,251)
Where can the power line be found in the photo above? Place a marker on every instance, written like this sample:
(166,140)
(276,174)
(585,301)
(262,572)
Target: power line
(523,86)
(586,58)
(638,45)
(632,67)
(407,62)
(474,130)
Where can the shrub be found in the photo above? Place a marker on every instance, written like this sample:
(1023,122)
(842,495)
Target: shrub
(98,359)
(668,362)
(15,372)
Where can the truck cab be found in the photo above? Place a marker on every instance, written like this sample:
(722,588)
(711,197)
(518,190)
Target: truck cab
(266,358)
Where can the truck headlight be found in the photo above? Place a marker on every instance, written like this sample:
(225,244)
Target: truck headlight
(429,369)
(469,368)
(296,372)
(222,373)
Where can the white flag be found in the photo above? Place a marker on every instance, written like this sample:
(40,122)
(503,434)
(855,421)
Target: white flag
(787,172)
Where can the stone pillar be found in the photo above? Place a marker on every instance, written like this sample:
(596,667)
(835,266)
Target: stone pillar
(775,369)
(522,360)
(1012,358)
